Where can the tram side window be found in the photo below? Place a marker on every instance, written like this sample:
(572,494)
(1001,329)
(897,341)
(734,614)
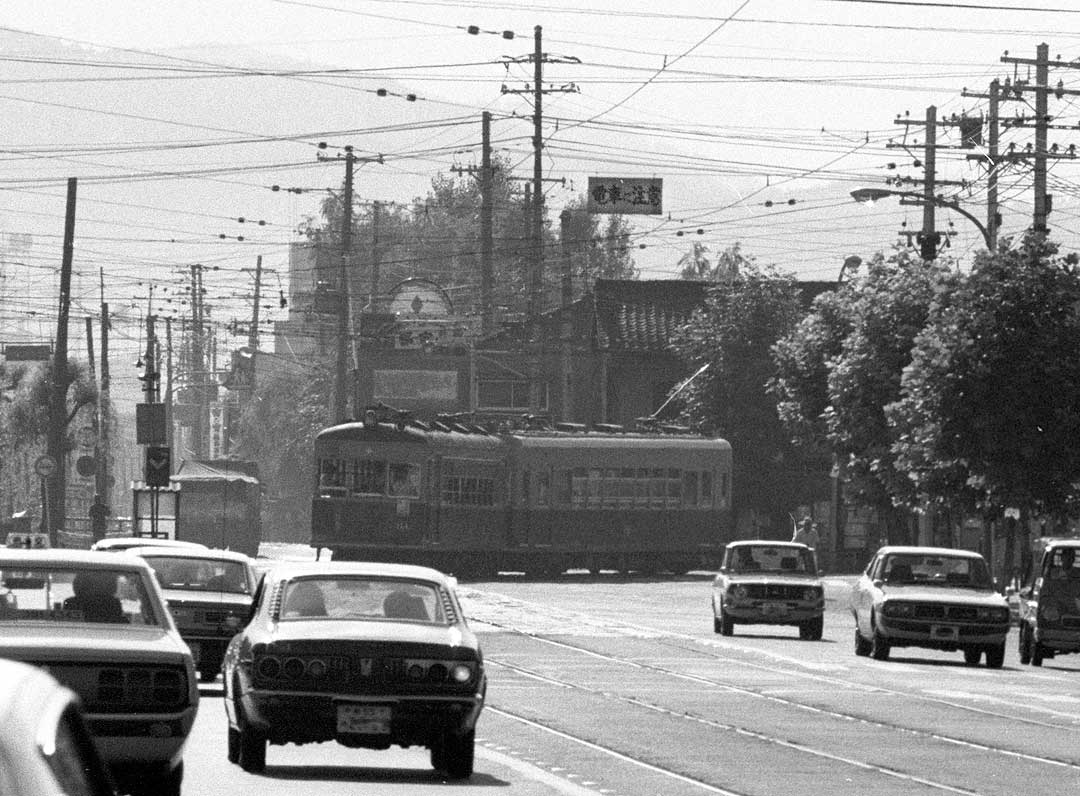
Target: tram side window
(405,480)
(690,488)
(370,477)
(461,490)
(541,482)
(330,473)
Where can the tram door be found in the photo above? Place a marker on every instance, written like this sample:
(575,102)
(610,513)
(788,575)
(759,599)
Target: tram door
(536,503)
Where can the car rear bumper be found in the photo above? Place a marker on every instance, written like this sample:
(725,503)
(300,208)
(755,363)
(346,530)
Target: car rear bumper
(141,741)
(304,718)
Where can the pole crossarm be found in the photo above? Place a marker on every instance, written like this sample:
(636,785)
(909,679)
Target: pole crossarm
(873,194)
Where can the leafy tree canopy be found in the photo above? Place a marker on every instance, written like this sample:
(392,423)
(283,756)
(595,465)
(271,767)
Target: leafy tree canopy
(990,410)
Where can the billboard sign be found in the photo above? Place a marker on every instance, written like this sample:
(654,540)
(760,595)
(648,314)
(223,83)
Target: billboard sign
(626,195)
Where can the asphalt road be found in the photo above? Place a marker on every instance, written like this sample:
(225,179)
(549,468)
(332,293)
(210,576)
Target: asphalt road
(620,687)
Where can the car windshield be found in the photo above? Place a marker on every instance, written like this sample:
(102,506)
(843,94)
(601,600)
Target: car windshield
(937,570)
(771,558)
(353,598)
(200,574)
(72,594)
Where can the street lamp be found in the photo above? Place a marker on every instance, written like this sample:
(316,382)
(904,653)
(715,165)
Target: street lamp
(873,194)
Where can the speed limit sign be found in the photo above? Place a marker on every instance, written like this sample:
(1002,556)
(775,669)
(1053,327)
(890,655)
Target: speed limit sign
(45,466)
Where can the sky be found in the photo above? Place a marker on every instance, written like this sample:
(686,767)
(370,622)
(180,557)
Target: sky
(760,116)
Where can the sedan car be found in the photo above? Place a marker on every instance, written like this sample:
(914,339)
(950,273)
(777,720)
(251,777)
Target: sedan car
(1050,604)
(367,654)
(929,597)
(769,583)
(119,544)
(98,623)
(209,594)
(45,747)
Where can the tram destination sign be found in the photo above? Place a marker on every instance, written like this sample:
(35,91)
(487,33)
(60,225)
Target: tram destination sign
(626,195)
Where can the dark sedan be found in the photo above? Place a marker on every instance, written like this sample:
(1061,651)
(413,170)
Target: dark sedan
(209,594)
(370,655)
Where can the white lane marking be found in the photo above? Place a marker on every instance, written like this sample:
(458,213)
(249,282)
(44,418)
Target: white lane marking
(538,774)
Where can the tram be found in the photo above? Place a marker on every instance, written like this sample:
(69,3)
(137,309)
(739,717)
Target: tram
(540,500)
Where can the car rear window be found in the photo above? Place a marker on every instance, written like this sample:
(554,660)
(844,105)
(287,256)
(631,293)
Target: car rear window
(353,598)
(196,574)
(71,594)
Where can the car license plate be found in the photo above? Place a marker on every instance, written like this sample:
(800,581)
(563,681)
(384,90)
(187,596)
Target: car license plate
(773,609)
(945,632)
(195,650)
(363,719)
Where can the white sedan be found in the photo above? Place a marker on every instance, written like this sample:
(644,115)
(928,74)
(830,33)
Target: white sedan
(930,597)
(98,623)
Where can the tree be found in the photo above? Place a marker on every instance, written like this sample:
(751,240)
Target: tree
(598,251)
(990,410)
(277,430)
(889,309)
(695,264)
(734,334)
(803,361)
(26,416)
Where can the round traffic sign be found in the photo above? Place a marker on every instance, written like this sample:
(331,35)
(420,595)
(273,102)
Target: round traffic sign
(45,466)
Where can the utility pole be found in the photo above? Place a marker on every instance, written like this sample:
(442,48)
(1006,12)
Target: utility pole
(535,280)
(566,332)
(373,295)
(340,407)
(487,270)
(169,430)
(197,365)
(487,267)
(253,332)
(1042,124)
(103,449)
(57,435)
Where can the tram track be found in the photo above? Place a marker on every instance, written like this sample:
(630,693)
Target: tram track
(697,646)
(712,724)
(789,703)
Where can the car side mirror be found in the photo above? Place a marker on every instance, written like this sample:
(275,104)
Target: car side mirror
(878,583)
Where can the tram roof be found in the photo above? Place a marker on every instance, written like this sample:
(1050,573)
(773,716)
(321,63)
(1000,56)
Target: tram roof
(619,441)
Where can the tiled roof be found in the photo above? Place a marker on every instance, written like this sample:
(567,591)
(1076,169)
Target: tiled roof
(642,315)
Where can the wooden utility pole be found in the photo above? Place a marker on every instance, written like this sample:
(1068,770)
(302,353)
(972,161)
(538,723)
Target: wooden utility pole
(376,255)
(341,393)
(566,331)
(56,440)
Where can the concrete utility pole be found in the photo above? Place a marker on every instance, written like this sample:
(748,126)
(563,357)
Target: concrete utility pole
(487,270)
(535,280)
(487,266)
(253,332)
(56,439)
(341,397)
(103,449)
(1041,122)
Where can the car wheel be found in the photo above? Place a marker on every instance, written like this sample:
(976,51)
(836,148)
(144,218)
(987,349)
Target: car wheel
(727,624)
(879,647)
(252,748)
(811,630)
(1036,653)
(862,646)
(717,626)
(233,745)
(995,656)
(1025,644)
(972,655)
(458,753)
